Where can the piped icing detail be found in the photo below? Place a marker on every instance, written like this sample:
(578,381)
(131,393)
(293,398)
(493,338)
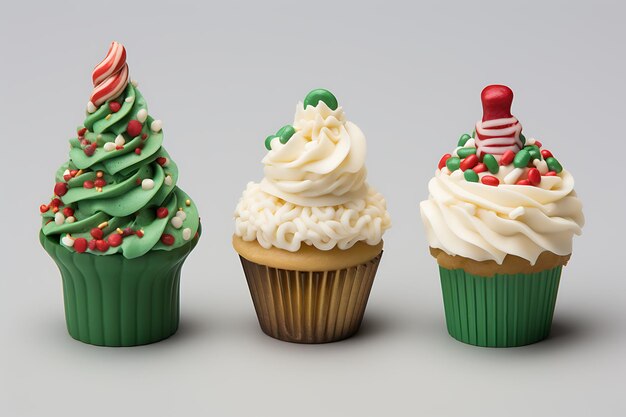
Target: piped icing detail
(314,191)
(118,192)
(484,205)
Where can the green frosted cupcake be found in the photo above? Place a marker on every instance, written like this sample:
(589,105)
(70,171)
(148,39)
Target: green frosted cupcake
(500,220)
(118,226)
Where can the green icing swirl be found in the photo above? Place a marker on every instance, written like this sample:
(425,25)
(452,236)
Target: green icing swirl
(123,202)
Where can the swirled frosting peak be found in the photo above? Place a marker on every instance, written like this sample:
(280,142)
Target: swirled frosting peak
(118,193)
(314,191)
(322,163)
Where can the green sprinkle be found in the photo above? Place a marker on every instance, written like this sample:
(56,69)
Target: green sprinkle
(522,158)
(534,152)
(268,141)
(522,138)
(315,96)
(491,163)
(465,152)
(453,163)
(554,165)
(474,133)
(470,175)
(463,139)
(285,133)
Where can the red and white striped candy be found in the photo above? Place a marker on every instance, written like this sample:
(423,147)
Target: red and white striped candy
(498,131)
(110,77)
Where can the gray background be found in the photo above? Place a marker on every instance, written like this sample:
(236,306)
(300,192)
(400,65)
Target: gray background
(222,77)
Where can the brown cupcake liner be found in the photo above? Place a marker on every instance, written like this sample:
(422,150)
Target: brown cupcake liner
(310,306)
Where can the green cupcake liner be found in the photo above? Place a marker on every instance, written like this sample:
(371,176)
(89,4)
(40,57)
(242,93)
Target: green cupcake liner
(113,301)
(500,311)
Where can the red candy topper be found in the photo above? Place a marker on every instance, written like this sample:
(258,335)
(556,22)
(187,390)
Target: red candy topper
(498,131)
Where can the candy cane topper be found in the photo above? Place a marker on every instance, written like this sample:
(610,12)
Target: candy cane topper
(110,77)
(498,131)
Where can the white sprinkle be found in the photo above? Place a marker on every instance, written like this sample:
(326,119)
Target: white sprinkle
(119,140)
(471,143)
(181,214)
(530,141)
(66,172)
(59,218)
(147,184)
(457,174)
(91,107)
(129,99)
(445,171)
(177,222)
(67,241)
(455,151)
(541,165)
(512,177)
(516,212)
(156,125)
(70,219)
(134,83)
(99,136)
(109,146)
(168,180)
(187,233)
(142,115)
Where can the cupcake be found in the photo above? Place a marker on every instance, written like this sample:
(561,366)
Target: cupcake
(118,226)
(500,220)
(309,235)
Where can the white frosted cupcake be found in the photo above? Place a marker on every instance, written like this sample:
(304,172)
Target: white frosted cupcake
(309,235)
(500,220)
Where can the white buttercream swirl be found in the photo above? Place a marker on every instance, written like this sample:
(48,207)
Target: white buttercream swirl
(482,223)
(271,221)
(323,164)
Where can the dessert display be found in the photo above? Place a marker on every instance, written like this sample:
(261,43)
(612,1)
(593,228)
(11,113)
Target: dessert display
(500,220)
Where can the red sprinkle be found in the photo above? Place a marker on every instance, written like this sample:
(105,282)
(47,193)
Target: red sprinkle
(102,245)
(144,136)
(127,232)
(43,208)
(67,177)
(80,244)
(73,172)
(56,202)
(138,151)
(442,161)
(469,162)
(88,184)
(60,189)
(100,182)
(68,211)
(546,154)
(550,174)
(118,147)
(534,176)
(85,142)
(490,180)
(523,182)
(167,239)
(162,160)
(96,233)
(162,212)
(92,244)
(55,209)
(81,132)
(114,106)
(89,150)
(538,143)
(480,168)
(138,181)
(134,128)
(507,157)
(139,233)
(115,240)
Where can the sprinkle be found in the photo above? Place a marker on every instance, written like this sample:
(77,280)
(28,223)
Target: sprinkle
(142,115)
(99,136)
(96,233)
(490,180)
(43,208)
(60,189)
(91,107)
(442,161)
(541,165)
(523,182)
(99,174)
(90,149)
(470,162)
(103,225)
(187,233)
(188,202)
(531,141)
(70,219)
(134,83)
(67,175)
(144,136)
(114,106)
(163,161)
(129,99)
(133,128)
(546,154)
(108,116)
(507,157)
(81,132)
(68,211)
(516,212)
(513,176)
(471,143)
(102,245)
(180,213)
(120,231)
(119,140)
(147,184)
(139,233)
(138,151)
(534,176)
(115,240)
(109,146)
(80,244)
(68,241)
(167,239)
(156,125)
(92,244)
(88,184)
(162,212)
(168,180)
(78,173)
(176,222)
(59,218)
(55,209)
